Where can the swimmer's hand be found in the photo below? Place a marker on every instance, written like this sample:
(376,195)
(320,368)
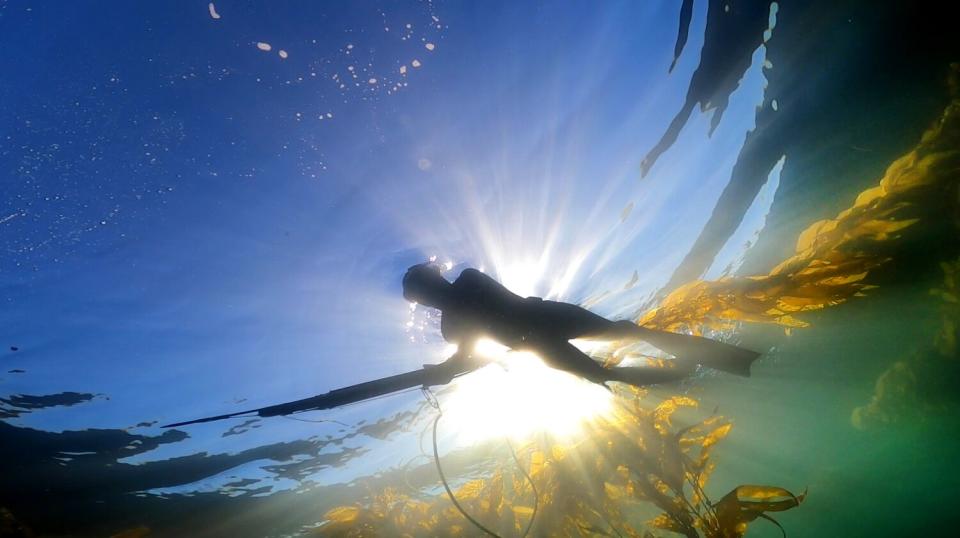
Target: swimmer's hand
(458,363)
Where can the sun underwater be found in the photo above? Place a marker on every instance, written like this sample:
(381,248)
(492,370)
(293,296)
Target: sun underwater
(518,395)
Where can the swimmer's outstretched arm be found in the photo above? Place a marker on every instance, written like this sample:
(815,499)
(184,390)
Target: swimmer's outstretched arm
(463,360)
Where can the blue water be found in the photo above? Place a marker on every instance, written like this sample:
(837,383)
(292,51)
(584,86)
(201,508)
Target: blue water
(209,208)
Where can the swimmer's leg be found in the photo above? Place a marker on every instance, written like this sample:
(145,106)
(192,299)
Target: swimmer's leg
(685,347)
(565,356)
(640,376)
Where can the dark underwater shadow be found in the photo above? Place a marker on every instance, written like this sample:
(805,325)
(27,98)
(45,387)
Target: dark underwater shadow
(74,483)
(847,82)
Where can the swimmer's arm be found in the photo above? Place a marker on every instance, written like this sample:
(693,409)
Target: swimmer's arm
(462,361)
(465,352)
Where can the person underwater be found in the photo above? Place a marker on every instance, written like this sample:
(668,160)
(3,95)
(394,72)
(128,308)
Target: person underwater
(476,306)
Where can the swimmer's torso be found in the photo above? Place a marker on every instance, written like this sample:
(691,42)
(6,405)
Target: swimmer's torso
(485,308)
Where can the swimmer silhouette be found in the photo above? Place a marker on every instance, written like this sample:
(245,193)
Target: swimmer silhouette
(475,306)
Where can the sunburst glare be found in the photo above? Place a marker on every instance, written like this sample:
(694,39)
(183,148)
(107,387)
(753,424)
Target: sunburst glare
(520,395)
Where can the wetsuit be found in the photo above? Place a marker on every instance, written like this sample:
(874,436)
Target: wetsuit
(482,307)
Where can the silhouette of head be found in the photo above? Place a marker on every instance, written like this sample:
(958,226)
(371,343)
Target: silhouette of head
(424,284)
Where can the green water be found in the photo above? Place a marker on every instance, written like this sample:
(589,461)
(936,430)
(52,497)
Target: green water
(793,424)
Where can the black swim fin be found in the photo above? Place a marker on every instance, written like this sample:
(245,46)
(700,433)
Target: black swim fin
(641,376)
(697,349)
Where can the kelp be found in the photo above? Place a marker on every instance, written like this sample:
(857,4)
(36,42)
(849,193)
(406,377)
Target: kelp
(926,380)
(634,458)
(833,257)
(637,460)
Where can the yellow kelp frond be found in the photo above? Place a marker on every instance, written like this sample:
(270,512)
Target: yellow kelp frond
(746,503)
(633,461)
(832,257)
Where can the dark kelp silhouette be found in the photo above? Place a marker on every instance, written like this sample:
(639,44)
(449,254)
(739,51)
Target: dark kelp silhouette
(812,79)
(734,30)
